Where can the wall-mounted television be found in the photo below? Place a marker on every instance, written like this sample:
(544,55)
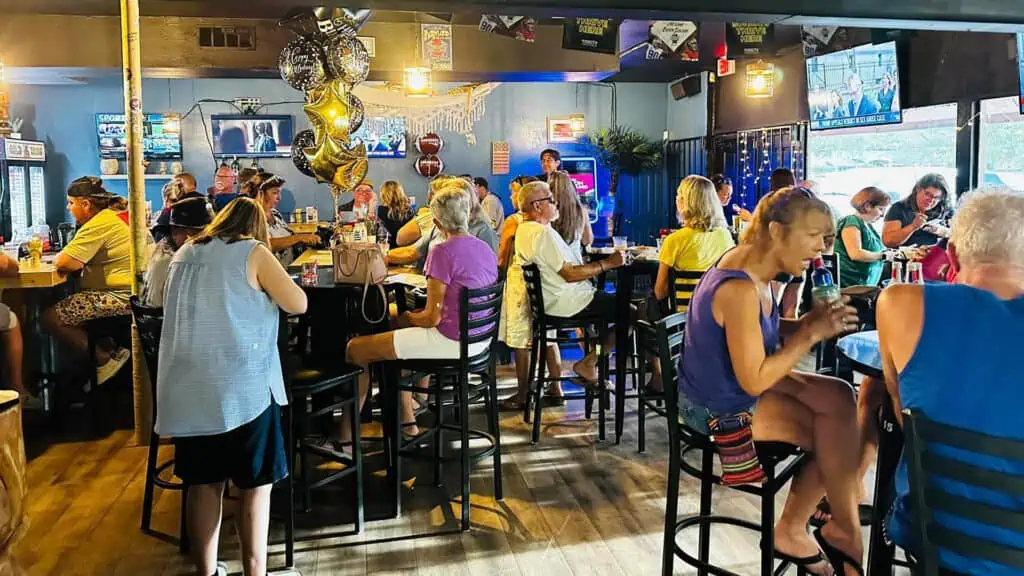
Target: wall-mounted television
(161,136)
(855,87)
(267,136)
(383,136)
(1020,67)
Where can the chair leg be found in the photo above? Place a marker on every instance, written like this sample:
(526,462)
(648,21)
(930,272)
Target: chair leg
(538,390)
(668,554)
(707,465)
(641,409)
(357,458)
(302,428)
(495,423)
(183,540)
(392,401)
(602,378)
(768,523)
(438,434)
(463,384)
(147,496)
(620,391)
(534,353)
(289,527)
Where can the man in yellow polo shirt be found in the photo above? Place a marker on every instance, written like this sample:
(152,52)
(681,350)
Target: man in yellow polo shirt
(100,251)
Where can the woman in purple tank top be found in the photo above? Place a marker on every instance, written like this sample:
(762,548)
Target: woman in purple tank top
(733,362)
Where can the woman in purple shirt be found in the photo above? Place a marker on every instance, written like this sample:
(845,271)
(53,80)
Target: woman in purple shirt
(733,362)
(461,261)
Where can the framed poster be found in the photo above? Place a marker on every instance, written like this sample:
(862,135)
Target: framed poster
(590,34)
(436,46)
(561,131)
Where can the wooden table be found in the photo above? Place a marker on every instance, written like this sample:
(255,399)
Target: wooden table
(307,227)
(43,276)
(322,258)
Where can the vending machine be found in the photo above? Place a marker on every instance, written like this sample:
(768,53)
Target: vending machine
(22,187)
(583,172)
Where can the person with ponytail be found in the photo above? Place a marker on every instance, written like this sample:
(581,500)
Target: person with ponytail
(735,367)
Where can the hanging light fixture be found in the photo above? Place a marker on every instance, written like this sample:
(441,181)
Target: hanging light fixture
(417,82)
(760,80)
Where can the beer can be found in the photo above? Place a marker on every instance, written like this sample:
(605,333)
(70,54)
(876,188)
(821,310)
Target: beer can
(309,273)
(897,272)
(297,217)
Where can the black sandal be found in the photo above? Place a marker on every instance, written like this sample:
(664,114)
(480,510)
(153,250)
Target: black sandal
(805,562)
(822,514)
(836,557)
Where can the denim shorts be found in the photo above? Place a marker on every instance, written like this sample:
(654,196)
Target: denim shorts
(696,416)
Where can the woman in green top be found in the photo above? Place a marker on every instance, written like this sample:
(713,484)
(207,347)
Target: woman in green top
(860,249)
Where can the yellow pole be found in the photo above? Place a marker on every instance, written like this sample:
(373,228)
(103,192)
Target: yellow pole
(132,64)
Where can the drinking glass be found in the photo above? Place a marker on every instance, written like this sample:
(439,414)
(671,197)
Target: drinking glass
(660,242)
(383,239)
(619,242)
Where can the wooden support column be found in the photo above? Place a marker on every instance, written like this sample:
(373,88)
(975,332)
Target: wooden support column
(132,66)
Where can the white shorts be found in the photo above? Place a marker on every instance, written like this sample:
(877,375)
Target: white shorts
(428,343)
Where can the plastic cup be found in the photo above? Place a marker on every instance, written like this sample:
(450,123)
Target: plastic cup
(619,242)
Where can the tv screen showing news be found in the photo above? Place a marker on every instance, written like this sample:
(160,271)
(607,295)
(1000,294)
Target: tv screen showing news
(161,136)
(252,136)
(383,136)
(855,87)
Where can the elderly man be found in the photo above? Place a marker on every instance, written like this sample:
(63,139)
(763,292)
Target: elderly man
(565,279)
(952,353)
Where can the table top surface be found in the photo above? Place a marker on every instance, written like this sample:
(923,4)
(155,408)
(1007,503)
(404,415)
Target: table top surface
(45,275)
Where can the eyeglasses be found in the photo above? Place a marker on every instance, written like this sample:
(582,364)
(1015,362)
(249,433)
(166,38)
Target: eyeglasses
(546,199)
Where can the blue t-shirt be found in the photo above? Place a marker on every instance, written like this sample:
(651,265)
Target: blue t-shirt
(965,372)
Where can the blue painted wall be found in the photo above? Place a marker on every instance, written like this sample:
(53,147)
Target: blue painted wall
(64,117)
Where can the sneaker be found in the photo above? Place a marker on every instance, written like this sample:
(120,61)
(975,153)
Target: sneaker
(222,568)
(118,358)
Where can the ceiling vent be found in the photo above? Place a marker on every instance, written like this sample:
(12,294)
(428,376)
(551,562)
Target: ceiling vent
(236,37)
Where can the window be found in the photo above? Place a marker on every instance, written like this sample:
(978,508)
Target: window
(1001,154)
(890,157)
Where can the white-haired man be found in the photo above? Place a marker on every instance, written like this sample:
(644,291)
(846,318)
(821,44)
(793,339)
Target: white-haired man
(952,353)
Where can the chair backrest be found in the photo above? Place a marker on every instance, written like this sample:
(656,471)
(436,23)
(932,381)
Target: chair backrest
(926,465)
(534,292)
(683,284)
(479,315)
(149,321)
(669,333)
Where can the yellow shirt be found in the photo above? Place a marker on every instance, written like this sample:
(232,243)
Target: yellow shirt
(688,250)
(102,244)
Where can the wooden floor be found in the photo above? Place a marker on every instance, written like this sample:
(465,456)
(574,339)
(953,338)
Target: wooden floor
(571,506)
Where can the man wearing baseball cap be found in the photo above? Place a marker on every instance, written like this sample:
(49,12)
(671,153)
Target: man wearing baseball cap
(187,219)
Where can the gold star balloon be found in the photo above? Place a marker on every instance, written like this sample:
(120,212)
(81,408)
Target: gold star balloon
(326,159)
(329,112)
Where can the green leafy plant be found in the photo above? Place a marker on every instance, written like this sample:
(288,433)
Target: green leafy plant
(623,150)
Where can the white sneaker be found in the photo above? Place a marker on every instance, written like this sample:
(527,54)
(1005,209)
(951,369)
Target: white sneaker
(118,358)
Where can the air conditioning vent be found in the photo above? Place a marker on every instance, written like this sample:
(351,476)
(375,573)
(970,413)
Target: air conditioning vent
(237,37)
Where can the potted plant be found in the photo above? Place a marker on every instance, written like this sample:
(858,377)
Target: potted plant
(623,150)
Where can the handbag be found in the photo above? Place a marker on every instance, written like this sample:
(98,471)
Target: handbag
(361,263)
(733,439)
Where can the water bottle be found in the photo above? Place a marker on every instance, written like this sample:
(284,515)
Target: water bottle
(825,289)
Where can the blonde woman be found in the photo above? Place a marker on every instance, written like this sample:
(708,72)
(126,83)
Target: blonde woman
(701,241)
(220,385)
(394,211)
(508,230)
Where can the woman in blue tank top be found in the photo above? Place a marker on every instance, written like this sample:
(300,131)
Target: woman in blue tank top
(733,362)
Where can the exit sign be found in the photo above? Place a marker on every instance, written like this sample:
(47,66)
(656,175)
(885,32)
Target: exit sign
(726,67)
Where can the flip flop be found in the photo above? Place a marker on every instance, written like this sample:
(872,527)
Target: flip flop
(800,562)
(836,557)
(822,514)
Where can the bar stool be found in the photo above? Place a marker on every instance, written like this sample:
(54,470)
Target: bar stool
(149,322)
(542,323)
(479,312)
(683,440)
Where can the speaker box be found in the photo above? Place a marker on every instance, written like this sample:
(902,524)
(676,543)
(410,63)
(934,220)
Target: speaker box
(689,86)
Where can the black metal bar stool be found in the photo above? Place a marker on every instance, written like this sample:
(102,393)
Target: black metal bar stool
(102,400)
(542,323)
(479,312)
(683,440)
(149,322)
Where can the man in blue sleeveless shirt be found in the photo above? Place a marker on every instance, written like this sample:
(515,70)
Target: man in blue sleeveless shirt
(952,353)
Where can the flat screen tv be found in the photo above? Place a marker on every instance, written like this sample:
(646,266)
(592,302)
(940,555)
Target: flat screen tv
(161,136)
(1020,67)
(252,136)
(855,87)
(383,136)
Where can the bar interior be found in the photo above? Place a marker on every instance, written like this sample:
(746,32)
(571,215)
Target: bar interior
(508,287)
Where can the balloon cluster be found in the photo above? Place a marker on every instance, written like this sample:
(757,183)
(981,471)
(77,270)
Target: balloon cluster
(325,62)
